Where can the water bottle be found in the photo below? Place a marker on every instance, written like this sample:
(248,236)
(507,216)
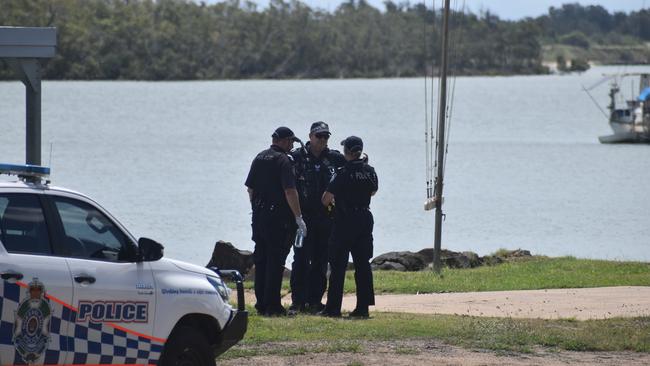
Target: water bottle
(297,241)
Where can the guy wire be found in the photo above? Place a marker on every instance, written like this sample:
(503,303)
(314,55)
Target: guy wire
(455,57)
(435,165)
(426,112)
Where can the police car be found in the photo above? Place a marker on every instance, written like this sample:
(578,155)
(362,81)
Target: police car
(77,289)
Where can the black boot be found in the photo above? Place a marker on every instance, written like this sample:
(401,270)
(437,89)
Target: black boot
(361,312)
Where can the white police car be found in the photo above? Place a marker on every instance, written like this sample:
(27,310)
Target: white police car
(76,289)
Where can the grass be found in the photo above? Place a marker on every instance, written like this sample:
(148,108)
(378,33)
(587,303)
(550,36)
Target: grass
(300,333)
(529,274)
(309,334)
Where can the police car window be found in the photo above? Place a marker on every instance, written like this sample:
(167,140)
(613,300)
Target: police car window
(89,233)
(22,224)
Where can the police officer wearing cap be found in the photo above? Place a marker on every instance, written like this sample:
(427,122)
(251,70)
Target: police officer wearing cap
(274,200)
(350,191)
(315,165)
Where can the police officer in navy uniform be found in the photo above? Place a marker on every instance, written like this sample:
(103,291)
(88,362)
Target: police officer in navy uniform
(274,199)
(315,165)
(350,191)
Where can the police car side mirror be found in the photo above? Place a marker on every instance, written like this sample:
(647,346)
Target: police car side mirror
(150,250)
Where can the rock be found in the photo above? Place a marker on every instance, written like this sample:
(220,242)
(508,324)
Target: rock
(424,259)
(491,260)
(519,253)
(392,266)
(409,260)
(226,256)
(474,259)
(427,254)
(457,261)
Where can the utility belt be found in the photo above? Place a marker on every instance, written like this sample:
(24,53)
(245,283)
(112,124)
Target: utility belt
(267,206)
(358,208)
(353,209)
(315,211)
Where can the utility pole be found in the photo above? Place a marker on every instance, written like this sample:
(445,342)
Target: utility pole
(442,118)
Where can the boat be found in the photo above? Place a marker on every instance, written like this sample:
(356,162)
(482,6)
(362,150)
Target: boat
(630,121)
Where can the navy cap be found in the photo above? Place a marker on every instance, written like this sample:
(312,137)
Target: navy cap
(319,127)
(353,144)
(283,133)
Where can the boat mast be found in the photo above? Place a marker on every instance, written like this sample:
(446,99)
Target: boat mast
(437,265)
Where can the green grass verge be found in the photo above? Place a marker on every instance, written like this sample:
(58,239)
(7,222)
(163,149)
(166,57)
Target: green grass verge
(529,274)
(535,273)
(501,334)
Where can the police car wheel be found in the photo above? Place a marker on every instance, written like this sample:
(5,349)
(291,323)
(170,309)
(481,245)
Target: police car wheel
(188,347)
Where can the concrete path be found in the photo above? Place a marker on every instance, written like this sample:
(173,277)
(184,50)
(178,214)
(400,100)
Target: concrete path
(582,304)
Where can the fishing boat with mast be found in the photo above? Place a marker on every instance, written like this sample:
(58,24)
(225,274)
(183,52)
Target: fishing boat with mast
(629,116)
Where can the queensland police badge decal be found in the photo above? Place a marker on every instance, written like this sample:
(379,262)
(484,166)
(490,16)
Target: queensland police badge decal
(32,326)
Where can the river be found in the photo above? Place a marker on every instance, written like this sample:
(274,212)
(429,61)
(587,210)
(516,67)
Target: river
(525,168)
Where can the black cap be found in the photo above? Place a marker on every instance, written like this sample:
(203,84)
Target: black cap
(283,133)
(319,127)
(353,144)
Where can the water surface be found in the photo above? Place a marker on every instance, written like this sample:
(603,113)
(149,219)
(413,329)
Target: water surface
(525,168)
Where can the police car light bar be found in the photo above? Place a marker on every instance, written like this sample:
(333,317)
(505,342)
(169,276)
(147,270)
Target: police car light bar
(26,170)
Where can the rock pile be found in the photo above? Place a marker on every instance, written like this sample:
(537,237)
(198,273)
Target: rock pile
(226,256)
(410,261)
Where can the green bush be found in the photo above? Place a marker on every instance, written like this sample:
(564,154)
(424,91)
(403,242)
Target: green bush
(579,65)
(576,38)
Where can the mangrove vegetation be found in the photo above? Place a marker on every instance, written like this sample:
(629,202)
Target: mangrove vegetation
(188,40)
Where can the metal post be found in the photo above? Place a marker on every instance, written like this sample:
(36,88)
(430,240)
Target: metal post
(32,83)
(437,264)
(23,47)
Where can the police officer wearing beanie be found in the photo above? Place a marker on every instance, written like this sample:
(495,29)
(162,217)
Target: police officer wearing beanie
(274,200)
(315,165)
(350,191)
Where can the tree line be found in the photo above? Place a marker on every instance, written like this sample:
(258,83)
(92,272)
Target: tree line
(187,40)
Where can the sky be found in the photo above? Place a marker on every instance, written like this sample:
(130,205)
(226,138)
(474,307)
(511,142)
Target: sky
(505,9)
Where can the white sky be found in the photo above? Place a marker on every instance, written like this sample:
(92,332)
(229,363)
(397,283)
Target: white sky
(506,9)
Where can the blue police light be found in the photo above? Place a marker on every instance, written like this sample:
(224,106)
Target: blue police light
(25,170)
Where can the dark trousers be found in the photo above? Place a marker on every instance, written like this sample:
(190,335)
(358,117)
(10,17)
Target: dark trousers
(351,234)
(309,267)
(271,233)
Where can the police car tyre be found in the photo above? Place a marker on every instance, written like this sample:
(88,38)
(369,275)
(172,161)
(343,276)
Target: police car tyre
(188,347)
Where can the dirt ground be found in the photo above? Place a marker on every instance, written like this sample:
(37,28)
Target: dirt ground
(577,303)
(582,304)
(417,352)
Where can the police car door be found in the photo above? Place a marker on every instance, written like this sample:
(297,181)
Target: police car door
(114,294)
(36,287)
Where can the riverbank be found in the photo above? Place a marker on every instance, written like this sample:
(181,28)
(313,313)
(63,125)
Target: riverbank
(494,326)
(525,273)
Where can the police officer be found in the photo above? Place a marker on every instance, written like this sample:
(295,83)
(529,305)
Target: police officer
(276,212)
(350,191)
(315,165)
